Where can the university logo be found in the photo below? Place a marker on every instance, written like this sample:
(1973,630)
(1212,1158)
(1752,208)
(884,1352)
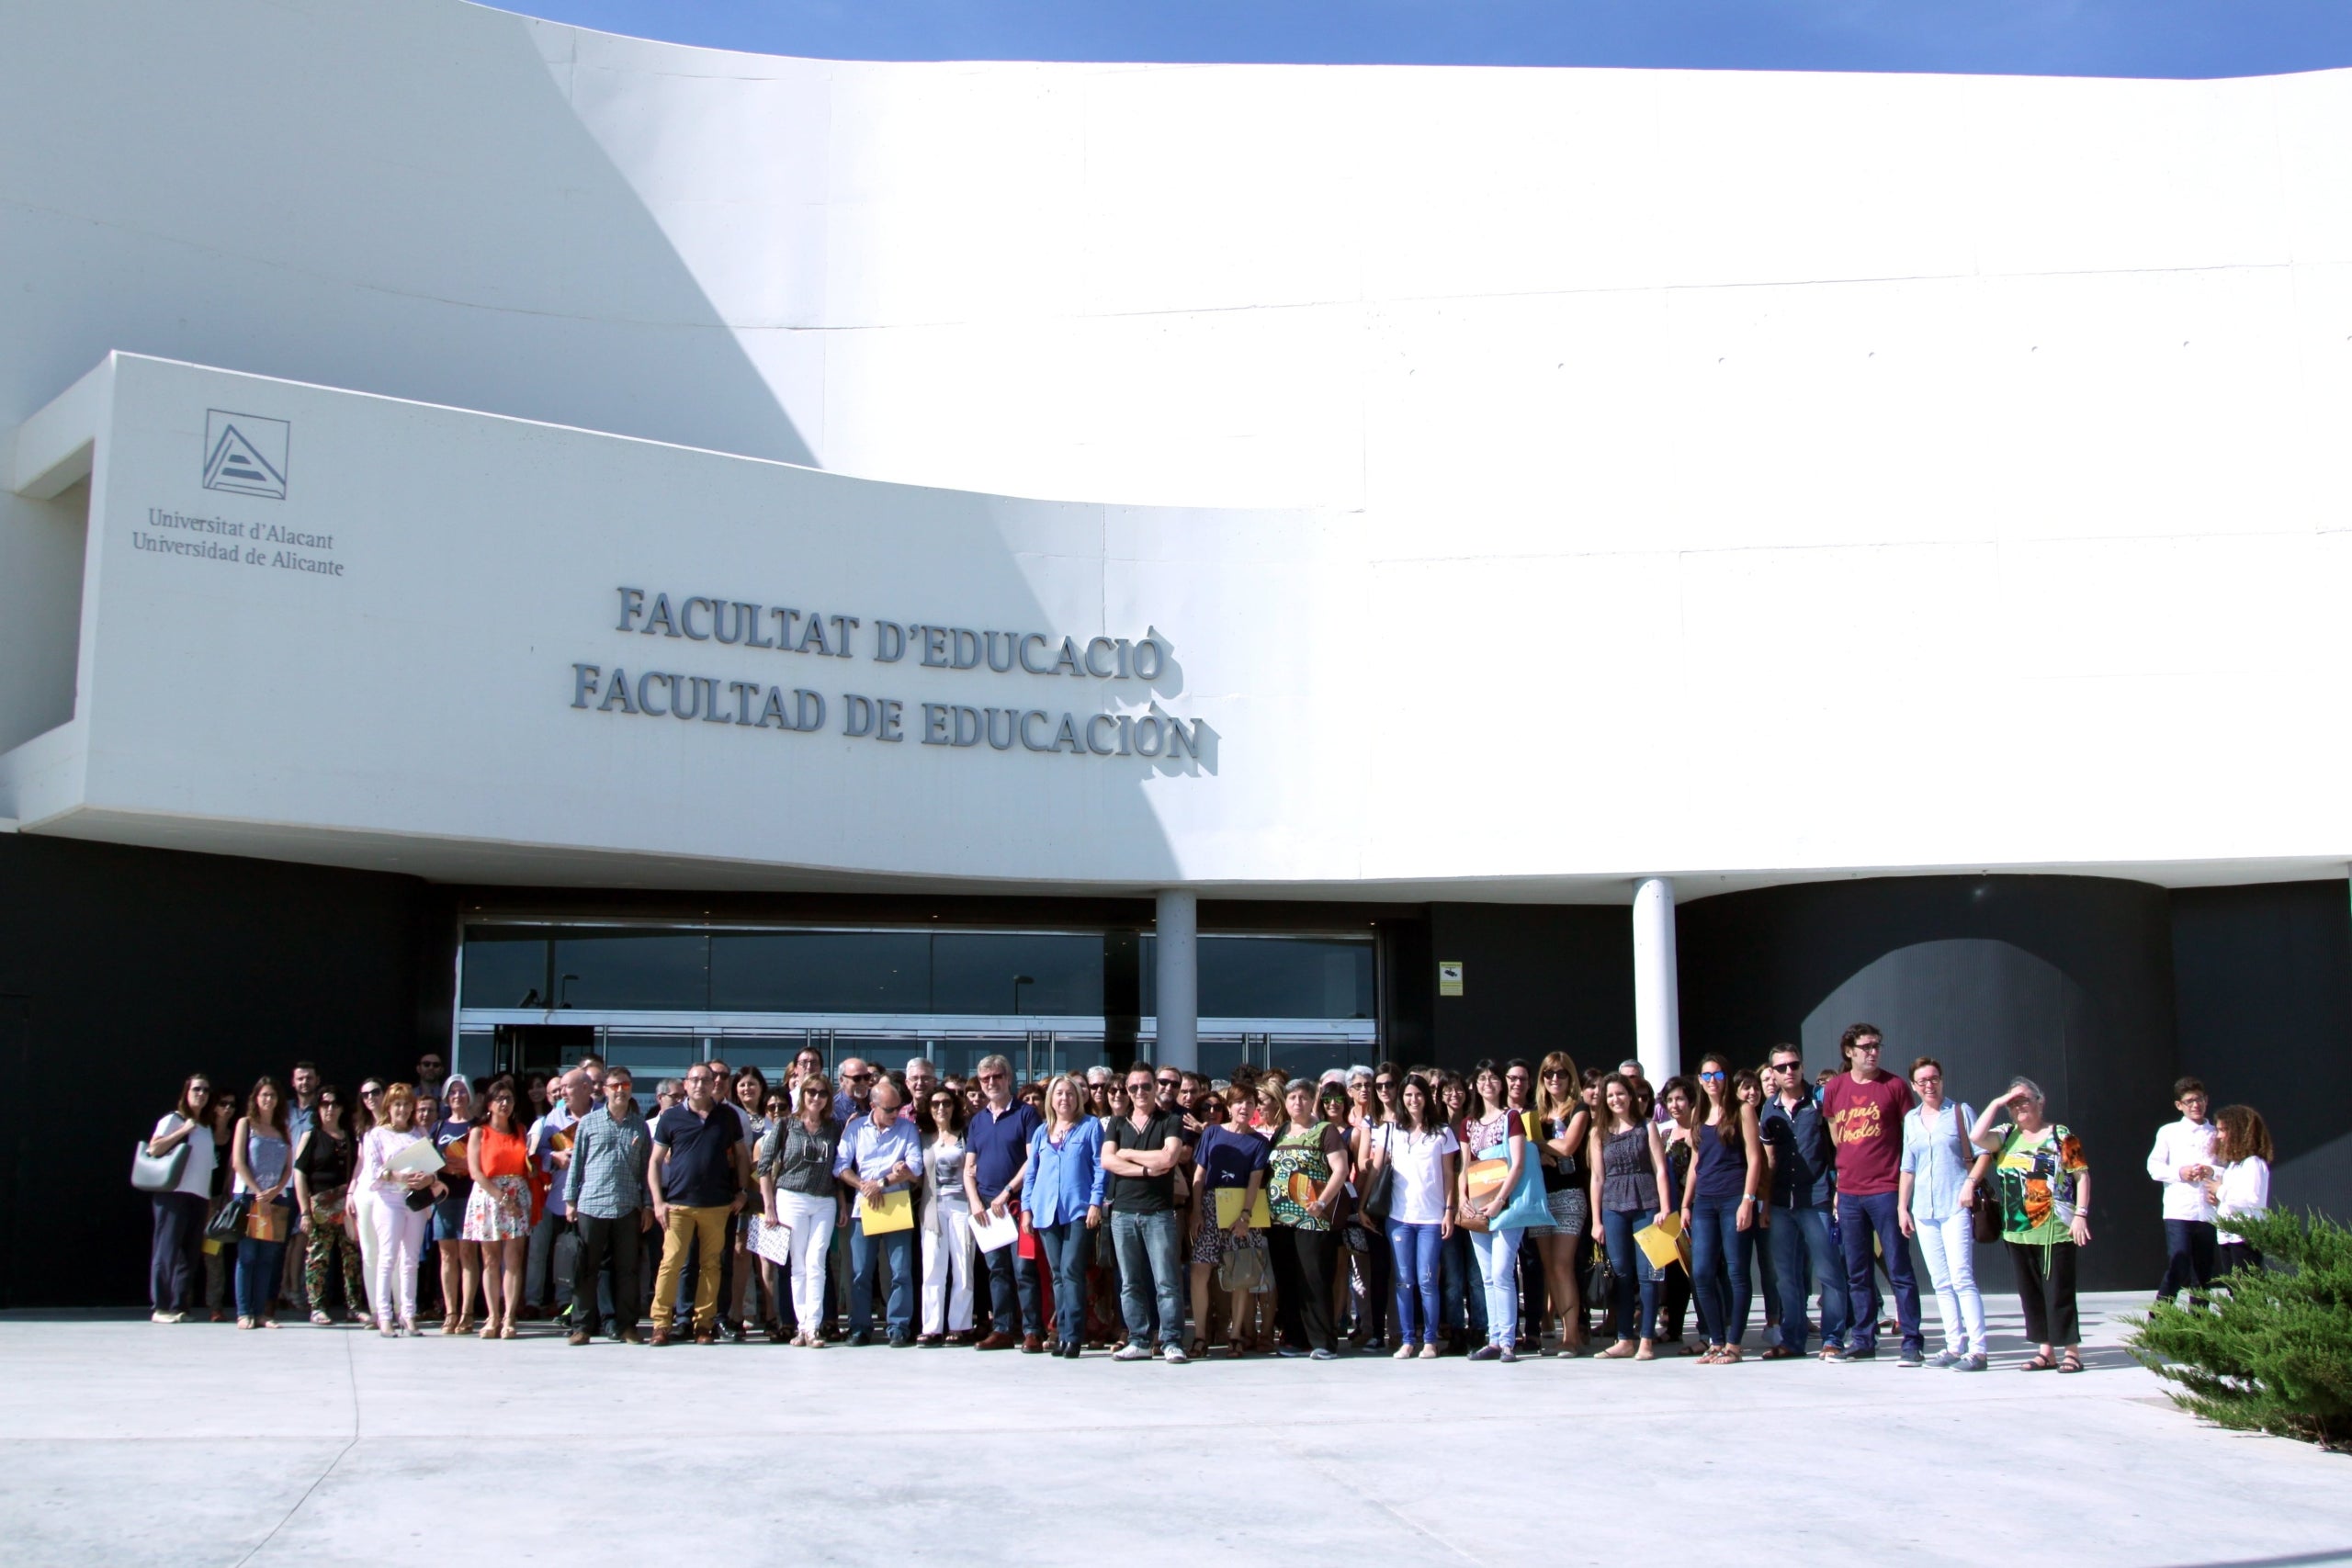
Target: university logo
(245,452)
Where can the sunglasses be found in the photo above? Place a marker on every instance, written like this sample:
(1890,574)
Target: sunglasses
(1710,1078)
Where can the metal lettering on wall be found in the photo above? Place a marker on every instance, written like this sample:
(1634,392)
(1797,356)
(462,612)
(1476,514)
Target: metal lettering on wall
(630,688)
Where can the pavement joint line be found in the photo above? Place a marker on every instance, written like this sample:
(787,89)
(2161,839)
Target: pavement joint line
(351,1372)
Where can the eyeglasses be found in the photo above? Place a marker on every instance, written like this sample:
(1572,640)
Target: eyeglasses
(1929,1077)
(994,1077)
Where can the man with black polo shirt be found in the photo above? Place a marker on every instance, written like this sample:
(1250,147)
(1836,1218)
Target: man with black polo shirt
(1140,1153)
(995,1163)
(698,1177)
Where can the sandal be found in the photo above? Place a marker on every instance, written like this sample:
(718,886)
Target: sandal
(1783,1353)
(1199,1350)
(1728,1356)
(2070,1362)
(2039,1363)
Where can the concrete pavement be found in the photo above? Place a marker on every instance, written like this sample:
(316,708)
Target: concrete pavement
(125,1443)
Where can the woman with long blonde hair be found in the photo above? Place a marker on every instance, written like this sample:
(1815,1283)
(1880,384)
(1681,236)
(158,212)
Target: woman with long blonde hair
(1562,1128)
(1062,1195)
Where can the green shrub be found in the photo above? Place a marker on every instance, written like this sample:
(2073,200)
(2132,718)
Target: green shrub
(2273,1351)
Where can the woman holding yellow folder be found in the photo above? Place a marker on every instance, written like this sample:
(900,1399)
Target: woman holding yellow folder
(1228,1191)
(1628,1166)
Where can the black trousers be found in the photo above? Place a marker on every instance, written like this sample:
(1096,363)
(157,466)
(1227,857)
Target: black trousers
(621,1241)
(1303,1261)
(171,1267)
(2046,1291)
(2190,1247)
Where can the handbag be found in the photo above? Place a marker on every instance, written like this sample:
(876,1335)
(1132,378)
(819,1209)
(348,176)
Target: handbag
(1527,1205)
(158,1173)
(1380,1190)
(229,1224)
(1985,1219)
(1247,1267)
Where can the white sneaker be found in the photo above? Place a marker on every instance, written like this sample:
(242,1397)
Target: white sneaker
(1174,1355)
(1131,1353)
(167,1317)
(1404,1352)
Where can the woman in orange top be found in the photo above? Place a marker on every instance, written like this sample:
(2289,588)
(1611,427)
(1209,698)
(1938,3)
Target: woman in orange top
(498,1213)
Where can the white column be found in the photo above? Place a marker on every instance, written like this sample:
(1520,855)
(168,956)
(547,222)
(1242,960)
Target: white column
(1657,1000)
(1177,974)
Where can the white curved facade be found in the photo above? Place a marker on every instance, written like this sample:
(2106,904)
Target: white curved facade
(1544,479)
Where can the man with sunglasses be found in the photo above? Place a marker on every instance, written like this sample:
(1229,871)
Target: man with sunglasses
(995,1162)
(1141,1153)
(853,1098)
(1794,1129)
(1865,1109)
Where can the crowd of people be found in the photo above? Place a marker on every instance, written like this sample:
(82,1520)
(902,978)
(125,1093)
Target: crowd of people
(1521,1208)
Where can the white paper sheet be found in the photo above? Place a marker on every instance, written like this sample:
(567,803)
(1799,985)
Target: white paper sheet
(994,1234)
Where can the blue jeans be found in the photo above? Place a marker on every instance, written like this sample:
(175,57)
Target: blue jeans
(1413,1249)
(1149,1273)
(1719,1270)
(1801,1241)
(1462,1299)
(1858,1219)
(258,1263)
(1755,1250)
(1498,1267)
(1067,1246)
(1628,1263)
(864,1251)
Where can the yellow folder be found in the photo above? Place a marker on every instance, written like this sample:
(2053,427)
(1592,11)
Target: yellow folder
(890,1211)
(1663,1244)
(1229,1206)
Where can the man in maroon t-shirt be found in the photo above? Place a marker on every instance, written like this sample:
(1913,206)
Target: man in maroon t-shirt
(1865,1108)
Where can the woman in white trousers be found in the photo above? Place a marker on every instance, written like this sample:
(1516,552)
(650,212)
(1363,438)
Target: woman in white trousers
(1936,1204)
(947,1222)
(399,1230)
(795,1167)
(361,1205)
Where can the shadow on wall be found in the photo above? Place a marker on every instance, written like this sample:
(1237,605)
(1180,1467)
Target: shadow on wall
(2067,980)
(393,198)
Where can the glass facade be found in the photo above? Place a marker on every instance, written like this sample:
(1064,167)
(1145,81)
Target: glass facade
(758,996)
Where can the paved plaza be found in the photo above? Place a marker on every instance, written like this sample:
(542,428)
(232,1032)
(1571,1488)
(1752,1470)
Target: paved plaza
(127,1443)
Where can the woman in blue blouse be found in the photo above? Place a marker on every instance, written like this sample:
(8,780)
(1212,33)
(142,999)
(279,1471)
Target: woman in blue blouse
(1063,1197)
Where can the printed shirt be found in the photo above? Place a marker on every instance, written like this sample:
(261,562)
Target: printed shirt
(607,1179)
(1298,1168)
(1866,1123)
(2038,1172)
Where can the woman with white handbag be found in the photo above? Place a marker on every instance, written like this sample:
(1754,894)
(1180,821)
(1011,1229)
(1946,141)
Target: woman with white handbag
(176,1174)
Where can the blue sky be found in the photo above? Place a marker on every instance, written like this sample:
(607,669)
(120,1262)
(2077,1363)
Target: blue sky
(2101,38)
